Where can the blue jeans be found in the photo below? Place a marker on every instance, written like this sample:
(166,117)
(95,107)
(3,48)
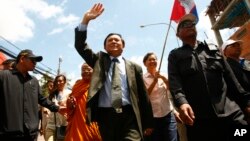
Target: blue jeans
(165,129)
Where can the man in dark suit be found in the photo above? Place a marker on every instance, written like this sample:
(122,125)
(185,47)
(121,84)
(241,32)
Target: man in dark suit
(134,119)
(198,78)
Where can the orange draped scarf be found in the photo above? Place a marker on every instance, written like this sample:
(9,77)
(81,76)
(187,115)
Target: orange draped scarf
(77,129)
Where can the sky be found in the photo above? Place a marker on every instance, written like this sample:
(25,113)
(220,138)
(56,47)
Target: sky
(47,28)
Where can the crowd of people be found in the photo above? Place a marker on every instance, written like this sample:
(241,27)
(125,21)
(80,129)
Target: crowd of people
(204,96)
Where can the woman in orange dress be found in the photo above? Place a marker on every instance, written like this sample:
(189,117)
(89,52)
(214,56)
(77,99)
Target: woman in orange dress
(78,129)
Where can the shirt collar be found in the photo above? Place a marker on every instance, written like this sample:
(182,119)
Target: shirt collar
(15,71)
(120,58)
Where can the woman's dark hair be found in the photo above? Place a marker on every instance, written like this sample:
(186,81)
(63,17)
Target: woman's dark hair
(57,77)
(50,81)
(147,55)
(55,89)
(110,34)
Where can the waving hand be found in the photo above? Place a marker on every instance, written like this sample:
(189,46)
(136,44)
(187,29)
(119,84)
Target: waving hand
(94,12)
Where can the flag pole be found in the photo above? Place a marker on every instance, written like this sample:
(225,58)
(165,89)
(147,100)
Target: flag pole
(164,45)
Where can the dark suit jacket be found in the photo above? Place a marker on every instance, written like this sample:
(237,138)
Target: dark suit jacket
(101,63)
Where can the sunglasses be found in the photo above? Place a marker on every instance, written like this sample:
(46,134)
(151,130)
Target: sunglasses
(187,24)
(31,59)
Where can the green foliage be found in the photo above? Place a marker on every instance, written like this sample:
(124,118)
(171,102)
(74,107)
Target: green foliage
(43,83)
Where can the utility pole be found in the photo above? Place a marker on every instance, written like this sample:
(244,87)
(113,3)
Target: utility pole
(59,65)
(216,31)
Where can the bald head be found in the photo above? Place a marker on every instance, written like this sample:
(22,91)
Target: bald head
(86,72)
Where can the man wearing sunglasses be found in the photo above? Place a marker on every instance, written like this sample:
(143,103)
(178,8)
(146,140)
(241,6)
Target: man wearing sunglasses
(20,95)
(198,79)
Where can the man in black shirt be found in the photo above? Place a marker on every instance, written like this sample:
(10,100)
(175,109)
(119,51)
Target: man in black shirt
(197,78)
(19,97)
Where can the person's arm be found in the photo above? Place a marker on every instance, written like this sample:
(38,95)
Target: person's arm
(41,130)
(71,105)
(176,89)
(93,13)
(152,85)
(45,102)
(81,35)
(174,108)
(175,82)
(164,79)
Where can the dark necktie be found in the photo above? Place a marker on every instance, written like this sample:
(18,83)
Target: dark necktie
(116,90)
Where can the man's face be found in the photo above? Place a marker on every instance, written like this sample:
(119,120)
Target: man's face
(114,46)
(187,29)
(233,50)
(28,63)
(86,72)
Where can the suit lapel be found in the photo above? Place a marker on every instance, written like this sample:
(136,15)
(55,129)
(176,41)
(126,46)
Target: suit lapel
(106,63)
(130,74)
(99,74)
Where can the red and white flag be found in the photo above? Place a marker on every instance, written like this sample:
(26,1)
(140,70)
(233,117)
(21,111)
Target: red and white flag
(183,7)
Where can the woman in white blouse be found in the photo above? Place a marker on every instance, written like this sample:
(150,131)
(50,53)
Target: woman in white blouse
(157,86)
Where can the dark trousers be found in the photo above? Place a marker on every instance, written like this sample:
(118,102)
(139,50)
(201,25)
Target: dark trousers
(118,126)
(216,129)
(26,136)
(18,138)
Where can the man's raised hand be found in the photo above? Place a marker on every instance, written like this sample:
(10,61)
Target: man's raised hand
(94,12)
